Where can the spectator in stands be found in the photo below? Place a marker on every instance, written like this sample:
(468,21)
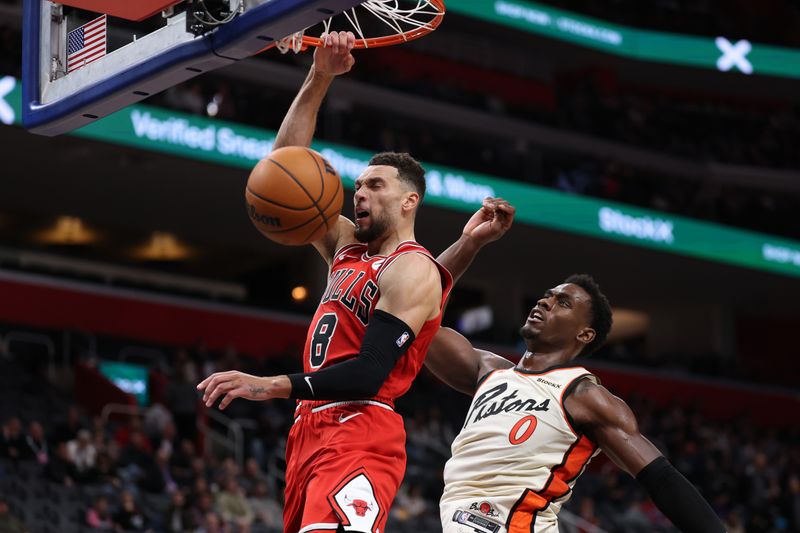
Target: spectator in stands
(633,519)
(103,445)
(734,523)
(105,472)
(129,517)
(157,478)
(125,432)
(252,475)
(204,360)
(13,445)
(8,522)
(167,439)
(587,514)
(267,511)
(60,469)
(409,504)
(234,507)
(182,400)
(178,517)
(135,459)
(156,418)
(212,523)
(98,516)
(227,469)
(36,443)
(203,505)
(181,463)
(200,484)
(792,499)
(69,429)
(82,454)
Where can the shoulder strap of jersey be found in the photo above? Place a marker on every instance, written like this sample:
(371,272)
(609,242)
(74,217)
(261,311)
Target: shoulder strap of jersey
(412,247)
(350,247)
(356,248)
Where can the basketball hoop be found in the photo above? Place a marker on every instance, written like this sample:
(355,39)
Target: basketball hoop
(376,23)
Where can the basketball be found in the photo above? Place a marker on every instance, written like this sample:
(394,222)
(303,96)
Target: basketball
(294,196)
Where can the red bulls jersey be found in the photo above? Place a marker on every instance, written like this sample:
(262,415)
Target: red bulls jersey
(341,319)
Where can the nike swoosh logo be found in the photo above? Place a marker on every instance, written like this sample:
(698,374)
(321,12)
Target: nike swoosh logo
(308,380)
(343,419)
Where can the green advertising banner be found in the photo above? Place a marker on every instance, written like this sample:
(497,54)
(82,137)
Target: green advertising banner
(717,52)
(225,143)
(128,377)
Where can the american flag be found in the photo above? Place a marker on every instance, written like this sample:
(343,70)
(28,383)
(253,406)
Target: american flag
(86,44)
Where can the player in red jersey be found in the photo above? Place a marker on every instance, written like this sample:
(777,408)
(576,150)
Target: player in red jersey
(368,338)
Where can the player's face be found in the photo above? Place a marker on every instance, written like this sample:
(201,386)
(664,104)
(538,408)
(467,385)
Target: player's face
(377,202)
(559,315)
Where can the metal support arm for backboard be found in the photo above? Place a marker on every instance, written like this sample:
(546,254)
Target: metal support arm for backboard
(157,61)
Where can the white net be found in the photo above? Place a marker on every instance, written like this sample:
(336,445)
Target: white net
(293,42)
(379,22)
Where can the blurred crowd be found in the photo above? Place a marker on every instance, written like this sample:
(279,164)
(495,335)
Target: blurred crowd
(141,477)
(145,473)
(153,471)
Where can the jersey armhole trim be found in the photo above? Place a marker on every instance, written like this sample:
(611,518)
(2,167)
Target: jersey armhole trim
(569,390)
(483,378)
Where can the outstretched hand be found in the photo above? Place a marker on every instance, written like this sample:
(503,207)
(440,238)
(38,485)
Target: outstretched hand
(234,384)
(491,221)
(335,58)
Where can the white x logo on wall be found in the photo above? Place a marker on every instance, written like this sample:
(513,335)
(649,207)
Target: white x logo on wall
(734,55)
(7,84)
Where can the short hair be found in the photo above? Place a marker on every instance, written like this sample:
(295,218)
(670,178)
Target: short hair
(601,310)
(408,169)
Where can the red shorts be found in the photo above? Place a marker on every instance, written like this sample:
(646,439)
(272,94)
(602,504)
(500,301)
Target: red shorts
(344,464)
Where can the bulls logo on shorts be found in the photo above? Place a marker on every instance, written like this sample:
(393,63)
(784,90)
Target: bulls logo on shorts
(355,502)
(360,506)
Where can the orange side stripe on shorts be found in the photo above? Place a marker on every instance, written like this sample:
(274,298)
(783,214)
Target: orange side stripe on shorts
(522,519)
(570,469)
(524,513)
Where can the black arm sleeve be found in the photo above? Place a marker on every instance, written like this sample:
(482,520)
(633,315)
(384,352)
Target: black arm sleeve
(387,338)
(678,499)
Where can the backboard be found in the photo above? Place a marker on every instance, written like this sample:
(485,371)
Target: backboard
(58,99)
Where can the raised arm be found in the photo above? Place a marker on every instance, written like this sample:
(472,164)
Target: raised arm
(488,224)
(297,128)
(460,365)
(609,421)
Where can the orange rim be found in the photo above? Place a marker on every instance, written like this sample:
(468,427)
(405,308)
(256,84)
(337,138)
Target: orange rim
(390,40)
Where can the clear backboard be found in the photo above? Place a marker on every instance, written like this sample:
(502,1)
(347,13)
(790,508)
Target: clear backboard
(71,76)
(85,59)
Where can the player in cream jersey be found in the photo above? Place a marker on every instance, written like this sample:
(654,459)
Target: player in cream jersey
(533,427)
(516,440)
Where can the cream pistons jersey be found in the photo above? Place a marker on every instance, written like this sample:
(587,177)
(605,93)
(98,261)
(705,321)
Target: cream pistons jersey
(517,457)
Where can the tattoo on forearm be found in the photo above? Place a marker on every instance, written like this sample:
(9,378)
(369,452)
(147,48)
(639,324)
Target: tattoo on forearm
(256,391)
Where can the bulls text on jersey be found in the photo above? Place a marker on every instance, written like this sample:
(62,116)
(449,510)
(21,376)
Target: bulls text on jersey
(360,305)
